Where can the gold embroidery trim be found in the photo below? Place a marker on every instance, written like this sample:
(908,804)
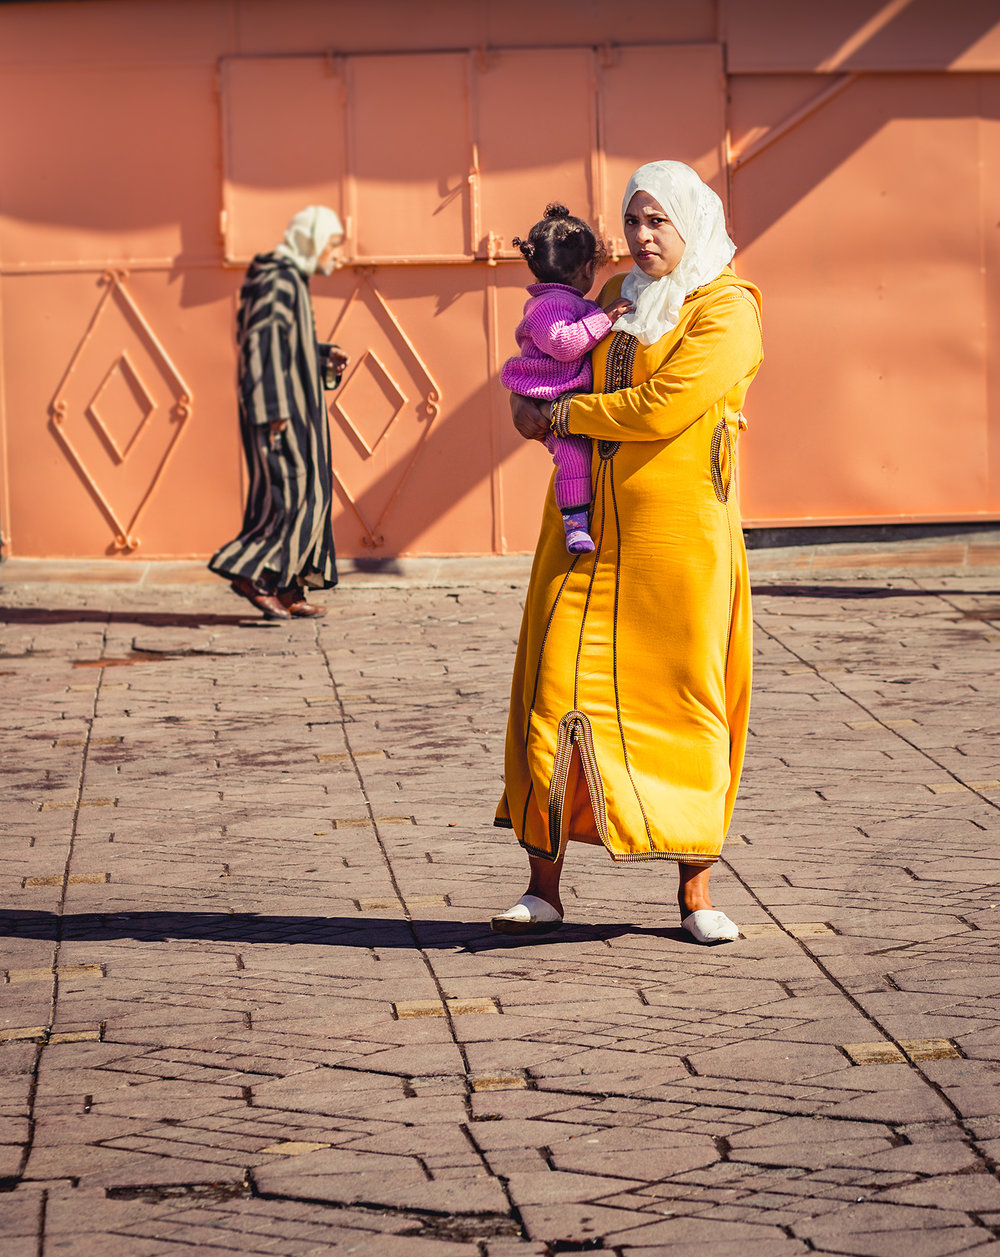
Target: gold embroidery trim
(722,439)
(621,359)
(559,418)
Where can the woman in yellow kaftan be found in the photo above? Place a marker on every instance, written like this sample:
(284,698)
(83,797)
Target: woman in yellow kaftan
(631,688)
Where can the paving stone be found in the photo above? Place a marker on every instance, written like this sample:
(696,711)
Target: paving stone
(577,1223)
(21,1246)
(887,1230)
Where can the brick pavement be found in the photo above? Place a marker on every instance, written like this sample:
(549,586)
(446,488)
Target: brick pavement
(251,1005)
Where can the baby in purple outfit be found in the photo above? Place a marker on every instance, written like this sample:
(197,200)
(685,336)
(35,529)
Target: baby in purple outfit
(558,330)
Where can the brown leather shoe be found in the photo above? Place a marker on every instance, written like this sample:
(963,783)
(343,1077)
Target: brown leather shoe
(269,604)
(294,600)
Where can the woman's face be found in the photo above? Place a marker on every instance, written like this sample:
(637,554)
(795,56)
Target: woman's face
(654,242)
(327,260)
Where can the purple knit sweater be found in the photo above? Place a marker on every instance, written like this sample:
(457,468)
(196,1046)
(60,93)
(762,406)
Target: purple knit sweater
(557,331)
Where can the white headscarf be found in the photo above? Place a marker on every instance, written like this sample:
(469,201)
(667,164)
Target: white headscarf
(307,235)
(697,213)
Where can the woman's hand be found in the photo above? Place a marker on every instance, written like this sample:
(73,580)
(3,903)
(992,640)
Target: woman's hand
(531,418)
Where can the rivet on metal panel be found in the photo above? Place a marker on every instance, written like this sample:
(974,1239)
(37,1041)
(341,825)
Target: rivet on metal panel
(486,57)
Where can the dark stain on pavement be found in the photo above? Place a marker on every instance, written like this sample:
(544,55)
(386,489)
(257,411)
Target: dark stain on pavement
(151,656)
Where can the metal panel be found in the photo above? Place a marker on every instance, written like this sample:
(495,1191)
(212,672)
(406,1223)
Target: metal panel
(293,26)
(683,118)
(283,130)
(120,409)
(403,203)
(411,424)
(863,228)
(796,36)
(523,161)
(153,32)
(492,157)
(103,447)
(87,179)
(865,205)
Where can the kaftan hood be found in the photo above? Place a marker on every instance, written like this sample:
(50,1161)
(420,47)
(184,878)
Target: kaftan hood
(307,235)
(697,213)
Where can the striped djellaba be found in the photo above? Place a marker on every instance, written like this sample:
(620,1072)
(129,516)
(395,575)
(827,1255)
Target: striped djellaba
(287,537)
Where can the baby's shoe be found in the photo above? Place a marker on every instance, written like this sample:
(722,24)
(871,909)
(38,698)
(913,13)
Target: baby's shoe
(578,539)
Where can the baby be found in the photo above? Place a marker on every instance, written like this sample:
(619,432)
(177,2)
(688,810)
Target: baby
(558,330)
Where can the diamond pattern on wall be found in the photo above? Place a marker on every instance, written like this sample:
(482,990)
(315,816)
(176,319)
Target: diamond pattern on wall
(377,401)
(119,410)
(121,405)
(381,415)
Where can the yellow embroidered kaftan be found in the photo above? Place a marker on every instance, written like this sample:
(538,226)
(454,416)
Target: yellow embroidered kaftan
(631,688)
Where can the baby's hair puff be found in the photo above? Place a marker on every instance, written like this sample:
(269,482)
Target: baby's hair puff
(559,245)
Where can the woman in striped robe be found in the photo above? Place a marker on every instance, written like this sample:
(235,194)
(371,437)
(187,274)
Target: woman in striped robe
(285,545)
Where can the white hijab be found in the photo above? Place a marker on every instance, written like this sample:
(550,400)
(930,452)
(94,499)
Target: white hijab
(697,213)
(307,235)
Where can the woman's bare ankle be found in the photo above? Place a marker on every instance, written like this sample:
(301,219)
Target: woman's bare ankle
(550,896)
(692,890)
(543,880)
(692,903)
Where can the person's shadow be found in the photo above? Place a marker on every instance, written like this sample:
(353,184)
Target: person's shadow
(333,931)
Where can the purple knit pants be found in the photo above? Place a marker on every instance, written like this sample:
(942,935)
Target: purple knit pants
(571,455)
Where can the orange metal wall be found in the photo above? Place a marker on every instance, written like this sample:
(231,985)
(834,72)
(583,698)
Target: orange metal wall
(152,146)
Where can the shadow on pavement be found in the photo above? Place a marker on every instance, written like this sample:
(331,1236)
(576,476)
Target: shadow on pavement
(149,619)
(761,586)
(246,927)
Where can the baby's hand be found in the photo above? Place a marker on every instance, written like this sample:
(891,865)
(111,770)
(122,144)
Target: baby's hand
(617,308)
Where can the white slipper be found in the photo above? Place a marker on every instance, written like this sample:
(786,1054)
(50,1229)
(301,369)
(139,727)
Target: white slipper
(705,925)
(530,915)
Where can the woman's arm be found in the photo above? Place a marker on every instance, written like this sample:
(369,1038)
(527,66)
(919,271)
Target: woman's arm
(721,348)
